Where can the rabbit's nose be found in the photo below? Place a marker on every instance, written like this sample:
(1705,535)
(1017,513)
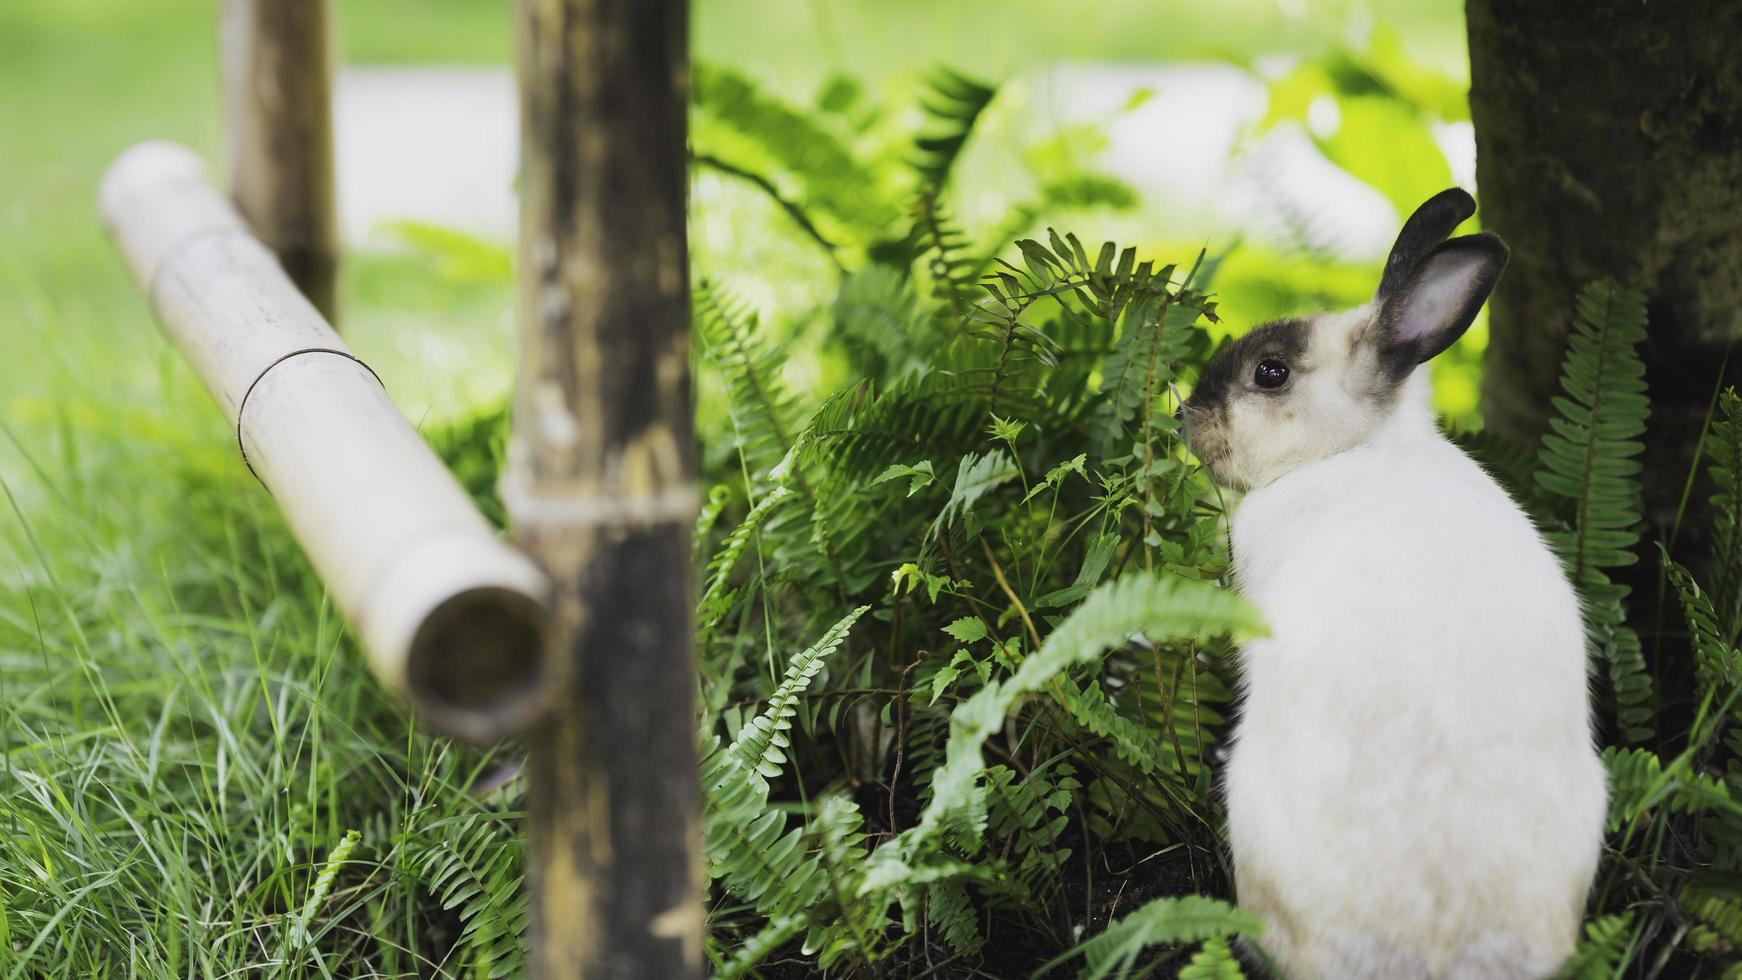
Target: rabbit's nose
(1179,414)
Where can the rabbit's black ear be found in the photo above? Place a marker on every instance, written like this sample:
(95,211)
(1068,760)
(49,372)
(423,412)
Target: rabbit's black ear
(1422,233)
(1430,309)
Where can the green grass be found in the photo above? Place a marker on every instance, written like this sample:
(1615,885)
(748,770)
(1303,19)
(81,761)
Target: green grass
(187,731)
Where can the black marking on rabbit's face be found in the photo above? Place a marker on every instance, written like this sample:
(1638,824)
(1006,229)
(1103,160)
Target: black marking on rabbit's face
(1247,368)
(1233,371)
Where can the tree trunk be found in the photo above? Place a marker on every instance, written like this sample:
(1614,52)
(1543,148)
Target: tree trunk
(1609,143)
(601,484)
(278,87)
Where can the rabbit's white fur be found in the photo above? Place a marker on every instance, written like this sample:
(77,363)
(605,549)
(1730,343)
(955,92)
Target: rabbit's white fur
(1412,789)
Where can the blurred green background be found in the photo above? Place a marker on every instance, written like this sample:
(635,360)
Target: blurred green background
(82,79)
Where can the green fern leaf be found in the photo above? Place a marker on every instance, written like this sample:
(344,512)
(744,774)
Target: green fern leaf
(976,476)
(757,749)
(1598,955)
(1160,608)
(885,329)
(1720,913)
(1719,663)
(718,596)
(472,867)
(953,102)
(1170,920)
(765,416)
(1724,446)
(1214,961)
(948,911)
(743,131)
(1590,458)
(1639,781)
(753,949)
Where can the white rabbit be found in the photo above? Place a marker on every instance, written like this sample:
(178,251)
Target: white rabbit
(1412,787)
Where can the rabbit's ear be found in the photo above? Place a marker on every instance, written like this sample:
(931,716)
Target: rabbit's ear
(1431,309)
(1421,234)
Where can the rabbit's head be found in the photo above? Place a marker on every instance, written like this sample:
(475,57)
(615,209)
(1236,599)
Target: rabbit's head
(1297,390)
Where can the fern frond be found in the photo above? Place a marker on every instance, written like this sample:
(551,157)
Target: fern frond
(953,102)
(766,426)
(859,432)
(879,320)
(1182,699)
(718,596)
(1170,920)
(323,886)
(757,749)
(842,927)
(1598,955)
(807,169)
(1166,607)
(1143,361)
(765,416)
(1131,742)
(945,249)
(1639,780)
(1591,455)
(1719,663)
(753,949)
(1724,446)
(1629,682)
(748,844)
(948,911)
(1029,814)
(976,476)
(1720,913)
(1078,192)
(472,867)
(1214,961)
(1590,458)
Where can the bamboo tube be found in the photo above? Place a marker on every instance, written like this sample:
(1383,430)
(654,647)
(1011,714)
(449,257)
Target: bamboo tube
(601,485)
(278,92)
(453,619)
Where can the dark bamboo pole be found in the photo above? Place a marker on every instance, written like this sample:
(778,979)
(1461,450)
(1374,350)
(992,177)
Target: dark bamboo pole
(601,484)
(278,90)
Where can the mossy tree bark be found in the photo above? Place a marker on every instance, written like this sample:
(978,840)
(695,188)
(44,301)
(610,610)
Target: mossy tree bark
(278,87)
(601,484)
(1609,143)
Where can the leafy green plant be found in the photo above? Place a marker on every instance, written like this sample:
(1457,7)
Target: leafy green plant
(1044,655)
(1668,895)
(1590,460)
(1170,920)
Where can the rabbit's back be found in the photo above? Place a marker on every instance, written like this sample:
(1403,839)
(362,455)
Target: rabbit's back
(1413,789)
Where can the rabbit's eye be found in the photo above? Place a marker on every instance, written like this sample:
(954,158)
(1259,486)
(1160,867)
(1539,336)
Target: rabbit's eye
(1271,373)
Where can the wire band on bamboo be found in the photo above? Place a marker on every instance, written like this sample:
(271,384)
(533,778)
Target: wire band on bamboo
(453,618)
(241,446)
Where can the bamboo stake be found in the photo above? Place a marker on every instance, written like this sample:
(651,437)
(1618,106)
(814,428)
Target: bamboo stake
(601,484)
(278,88)
(452,618)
